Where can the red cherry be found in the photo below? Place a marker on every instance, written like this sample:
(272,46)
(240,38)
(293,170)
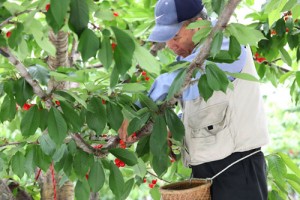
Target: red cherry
(147,78)
(99,146)
(151,185)
(8,34)
(26,106)
(47,6)
(122,164)
(287,30)
(144,73)
(103,102)
(144,180)
(113,46)
(260,60)
(273,32)
(116,14)
(57,103)
(286,18)
(154,181)
(117,161)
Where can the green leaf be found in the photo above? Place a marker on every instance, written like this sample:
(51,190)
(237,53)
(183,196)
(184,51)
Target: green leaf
(273,195)
(155,194)
(59,10)
(116,181)
(8,109)
(293,177)
(23,91)
(127,188)
(114,115)
(289,162)
(140,169)
(216,43)
(79,16)
(40,159)
(234,48)
(145,100)
(145,60)
(59,153)
(39,73)
(243,76)
(294,185)
(40,37)
(216,78)
(204,88)
(68,165)
(137,123)
(201,34)
(16,36)
(57,126)
(128,157)
(244,34)
(285,56)
(71,116)
(175,125)
(176,84)
(298,78)
(160,163)
(199,24)
(50,18)
(43,115)
(276,167)
(82,163)
(82,190)
(133,87)
(29,161)
(158,138)
(47,145)
(114,77)
(124,50)
(105,54)
(17,164)
(217,6)
(96,176)
(30,121)
(143,146)
(88,44)
(96,115)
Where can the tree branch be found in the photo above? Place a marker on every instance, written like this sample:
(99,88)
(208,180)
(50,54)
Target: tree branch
(16,143)
(23,72)
(11,17)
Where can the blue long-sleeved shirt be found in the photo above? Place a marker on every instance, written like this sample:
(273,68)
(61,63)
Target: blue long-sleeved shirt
(162,83)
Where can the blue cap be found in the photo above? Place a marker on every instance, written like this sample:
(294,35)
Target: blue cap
(170,15)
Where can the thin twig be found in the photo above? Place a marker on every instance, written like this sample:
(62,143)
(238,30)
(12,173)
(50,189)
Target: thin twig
(16,143)
(157,177)
(15,15)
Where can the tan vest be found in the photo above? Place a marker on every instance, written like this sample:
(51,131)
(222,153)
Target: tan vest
(226,123)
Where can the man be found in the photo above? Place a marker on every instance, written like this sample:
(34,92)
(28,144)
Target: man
(228,126)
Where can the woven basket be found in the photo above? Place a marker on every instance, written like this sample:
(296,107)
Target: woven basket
(195,189)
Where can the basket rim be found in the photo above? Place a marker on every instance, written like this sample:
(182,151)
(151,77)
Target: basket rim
(168,191)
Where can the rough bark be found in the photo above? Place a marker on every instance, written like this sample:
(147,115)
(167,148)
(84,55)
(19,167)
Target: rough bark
(5,193)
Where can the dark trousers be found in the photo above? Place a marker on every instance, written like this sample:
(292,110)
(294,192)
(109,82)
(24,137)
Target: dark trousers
(246,180)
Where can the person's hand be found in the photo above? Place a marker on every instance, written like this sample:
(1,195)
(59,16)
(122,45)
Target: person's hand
(123,135)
